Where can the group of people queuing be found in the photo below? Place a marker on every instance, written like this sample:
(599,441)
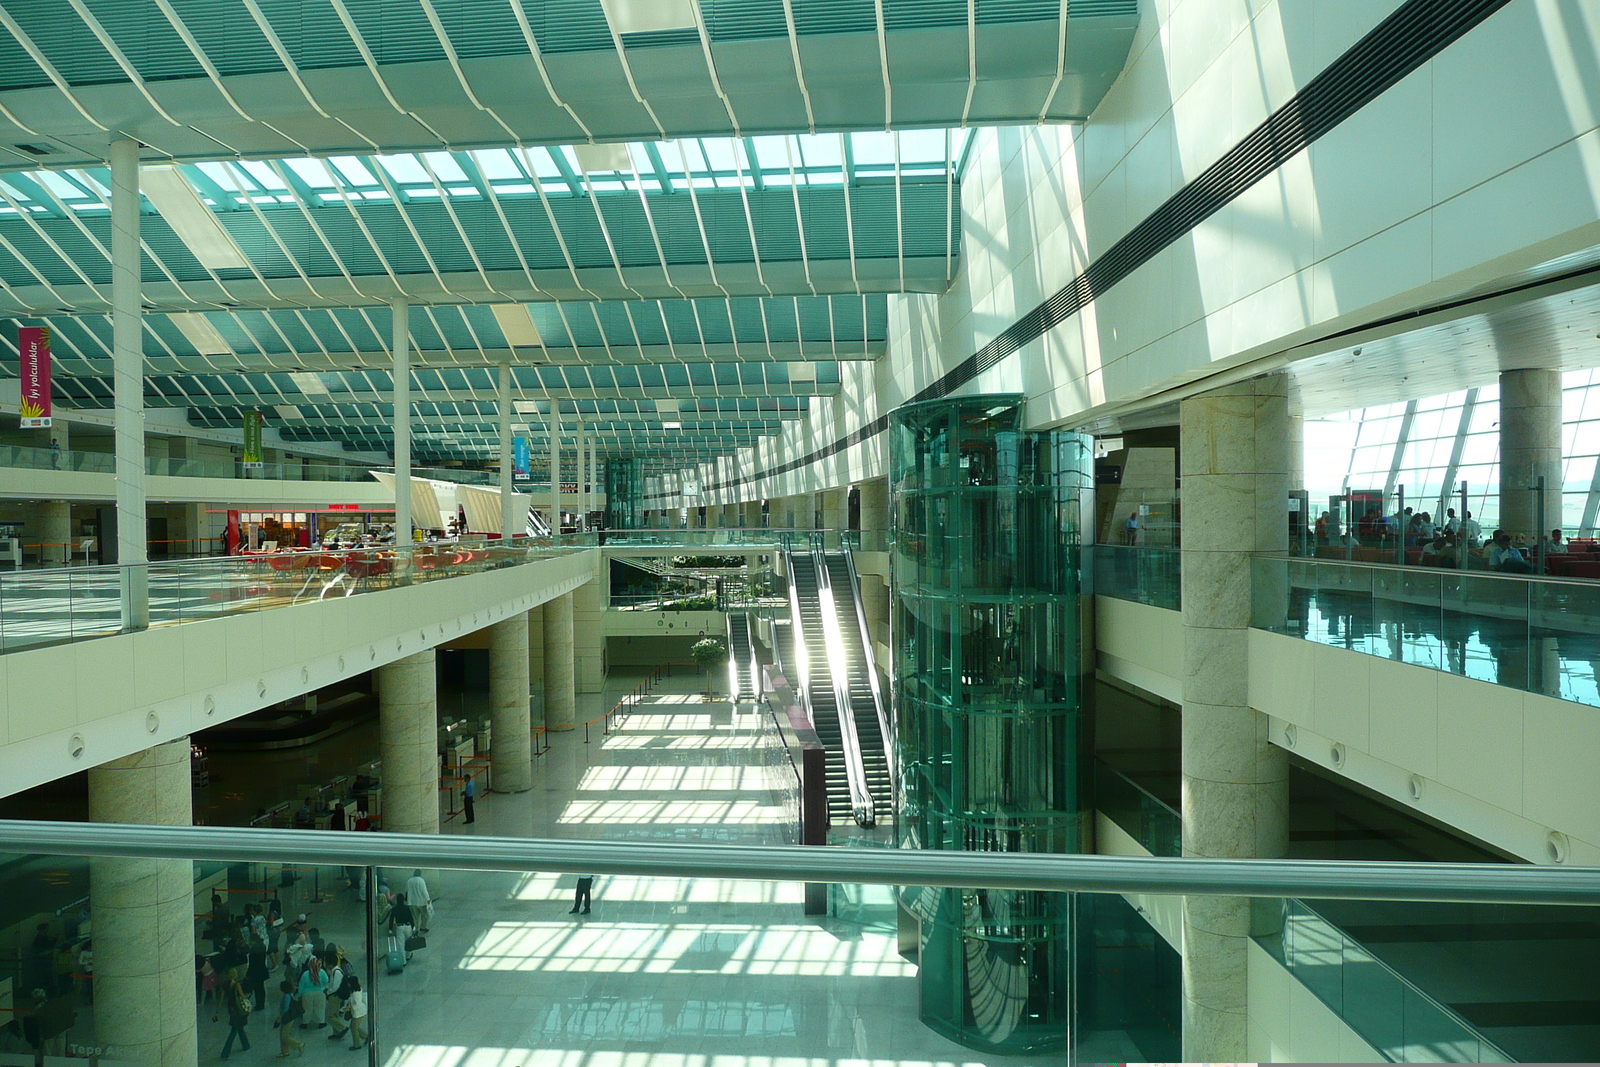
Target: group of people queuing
(319,988)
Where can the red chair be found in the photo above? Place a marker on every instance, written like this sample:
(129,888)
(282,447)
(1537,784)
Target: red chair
(1580,568)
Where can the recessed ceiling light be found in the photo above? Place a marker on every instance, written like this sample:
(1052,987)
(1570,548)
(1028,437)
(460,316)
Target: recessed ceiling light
(197,329)
(603,158)
(672,425)
(308,382)
(288,411)
(647,16)
(193,222)
(517,324)
(530,407)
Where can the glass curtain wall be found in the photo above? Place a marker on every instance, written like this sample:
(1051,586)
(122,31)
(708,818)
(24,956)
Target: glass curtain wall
(625,493)
(1433,444)
(990,733)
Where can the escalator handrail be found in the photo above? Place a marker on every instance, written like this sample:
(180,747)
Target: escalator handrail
(870,665)
(861,801)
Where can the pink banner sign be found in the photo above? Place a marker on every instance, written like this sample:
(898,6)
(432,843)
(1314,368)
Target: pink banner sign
(33,342)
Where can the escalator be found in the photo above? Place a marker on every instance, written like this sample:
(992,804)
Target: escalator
(741,659)
(826,698)
(861,674)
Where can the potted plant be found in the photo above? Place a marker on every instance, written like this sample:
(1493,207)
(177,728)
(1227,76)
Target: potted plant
(708,654)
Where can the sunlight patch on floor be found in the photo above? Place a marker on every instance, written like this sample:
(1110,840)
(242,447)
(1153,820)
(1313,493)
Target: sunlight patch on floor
(694,812)
(707,948)
(613,778)
(635,889)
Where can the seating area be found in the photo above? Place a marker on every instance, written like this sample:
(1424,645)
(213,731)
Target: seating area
(1581,558)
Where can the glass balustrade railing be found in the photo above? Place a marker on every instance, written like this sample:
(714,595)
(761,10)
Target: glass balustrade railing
(106,463)
(1400,1021)
(312,470)
(1389,1011)
(1539,635)
(1144,574)
(54,606)
(760,537)
(1155,826)
(475,950)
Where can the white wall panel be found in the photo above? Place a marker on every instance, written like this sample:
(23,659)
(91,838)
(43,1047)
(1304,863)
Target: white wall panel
(1504,766)
(1483,161)
(123,693)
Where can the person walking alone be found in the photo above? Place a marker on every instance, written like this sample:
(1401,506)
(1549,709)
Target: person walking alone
(580,898)
(469,793)
(238,1014)
(421,901)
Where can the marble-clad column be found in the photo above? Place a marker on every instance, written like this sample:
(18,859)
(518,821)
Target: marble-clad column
(560,693)
(142,911)
(1235,784)
(1530,448)
(408,740)
(511,731)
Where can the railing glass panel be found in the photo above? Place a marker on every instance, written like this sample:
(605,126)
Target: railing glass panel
(1539,635)
(1389,1012)
(54,606)
(717,959)
(1145,575)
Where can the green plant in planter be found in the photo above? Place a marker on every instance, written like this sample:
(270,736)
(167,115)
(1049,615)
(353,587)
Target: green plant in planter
(709,653)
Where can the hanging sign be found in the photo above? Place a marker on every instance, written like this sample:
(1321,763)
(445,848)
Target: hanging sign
(33,343)
(520,457)
(252,440)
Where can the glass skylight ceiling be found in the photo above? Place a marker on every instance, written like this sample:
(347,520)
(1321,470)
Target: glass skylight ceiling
(824,205)
(666,166)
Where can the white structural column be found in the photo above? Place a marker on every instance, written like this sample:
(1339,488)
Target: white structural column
(536,667)
(1235,784)
(127,345)
(583,479)
(402,420)
(555,468)
(836,509)
(142,911)
(560,696)
(875,515)
(511,731)
(1530,449)
(408,741)
(509,527)
(596,477)
(588,632)
(56,532)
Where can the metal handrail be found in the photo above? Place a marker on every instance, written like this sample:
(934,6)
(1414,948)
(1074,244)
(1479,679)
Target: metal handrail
(1465,883)
(1406,568)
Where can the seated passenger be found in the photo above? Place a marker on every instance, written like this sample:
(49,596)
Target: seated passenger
(1554,543)
(1440,552)
(1506,559)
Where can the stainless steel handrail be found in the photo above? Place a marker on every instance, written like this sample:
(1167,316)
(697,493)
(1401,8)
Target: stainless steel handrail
(1464,883)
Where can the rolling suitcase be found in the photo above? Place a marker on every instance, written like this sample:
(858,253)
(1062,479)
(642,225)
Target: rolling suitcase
(396,957)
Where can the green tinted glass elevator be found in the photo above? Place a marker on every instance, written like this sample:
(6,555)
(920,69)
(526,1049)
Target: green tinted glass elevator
(625,493)
(991,735)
